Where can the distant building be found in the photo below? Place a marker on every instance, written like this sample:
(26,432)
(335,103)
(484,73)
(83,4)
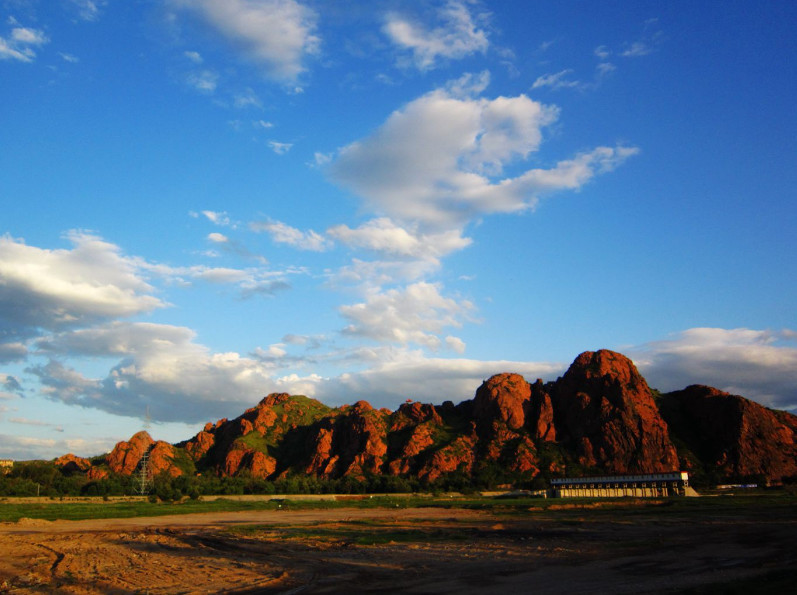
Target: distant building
(651,485)
(6,465)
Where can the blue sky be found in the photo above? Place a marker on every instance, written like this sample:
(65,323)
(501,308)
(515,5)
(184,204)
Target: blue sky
(205,201)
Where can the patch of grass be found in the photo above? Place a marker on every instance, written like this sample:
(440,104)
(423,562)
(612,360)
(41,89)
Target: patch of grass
(352,532)
(766,507)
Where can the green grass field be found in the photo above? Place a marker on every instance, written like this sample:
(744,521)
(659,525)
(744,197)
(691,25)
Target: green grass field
(12,511)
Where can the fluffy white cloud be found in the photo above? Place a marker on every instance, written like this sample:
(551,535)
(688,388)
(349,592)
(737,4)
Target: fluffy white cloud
(757,364)
(276,34)
(161,368)
(400,374)
(283,233)
(218,238)
(27,447)
(438,162)
(383,236)
(21,43)
(370,275)
(53,289)
(413,314)
(457,37)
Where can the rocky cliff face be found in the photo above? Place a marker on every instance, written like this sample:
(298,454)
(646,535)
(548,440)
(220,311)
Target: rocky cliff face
(599,417)
(730,435)
(126,456)
(605,411)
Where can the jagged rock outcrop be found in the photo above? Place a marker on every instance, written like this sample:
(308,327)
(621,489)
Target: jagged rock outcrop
(244,444)
(70,463)
(605,411)
(126,456)
(599,417)
(161,460)
(540,418)
(503,397)
(732,436)
(354,442)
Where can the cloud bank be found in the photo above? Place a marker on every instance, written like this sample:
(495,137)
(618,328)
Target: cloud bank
(277,35)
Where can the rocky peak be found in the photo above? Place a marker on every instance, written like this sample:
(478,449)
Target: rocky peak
(274,399)
(502,397)
(71,463)
(604,368)
(605,410)
(125,456)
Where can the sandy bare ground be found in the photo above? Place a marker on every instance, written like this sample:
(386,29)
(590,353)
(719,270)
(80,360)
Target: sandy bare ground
(420,550)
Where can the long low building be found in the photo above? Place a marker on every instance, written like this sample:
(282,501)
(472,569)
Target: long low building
(651,485)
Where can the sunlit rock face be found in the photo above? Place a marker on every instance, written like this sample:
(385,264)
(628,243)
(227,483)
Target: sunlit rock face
(599,417)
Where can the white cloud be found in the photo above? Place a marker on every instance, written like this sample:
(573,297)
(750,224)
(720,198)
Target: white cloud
(283,233)
(247,98)
(218,238)
(204,81)
(27,447)
(399,374)
(384,236)
(371,275)
(469,84)
(413,314)
(276,34)
(69,58)
(89,10)
(217,217)
(636,49)
(194,57)
(557,80)
(21,43)
(605,68)
(251,280)
(602,52)
(27,36)
(280,148)
(757,364)
(225,244)
(458,36)
(455,344)
(55,289)
(162,368)
(439,161)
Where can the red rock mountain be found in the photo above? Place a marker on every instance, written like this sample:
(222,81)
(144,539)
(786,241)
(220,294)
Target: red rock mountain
(599,417)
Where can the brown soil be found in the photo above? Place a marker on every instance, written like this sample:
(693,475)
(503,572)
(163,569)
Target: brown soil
(422,550)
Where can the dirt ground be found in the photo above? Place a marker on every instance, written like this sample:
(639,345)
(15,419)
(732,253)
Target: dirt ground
(419,550)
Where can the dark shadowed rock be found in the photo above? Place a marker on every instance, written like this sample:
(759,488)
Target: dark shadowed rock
(605,410)
(731,435)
